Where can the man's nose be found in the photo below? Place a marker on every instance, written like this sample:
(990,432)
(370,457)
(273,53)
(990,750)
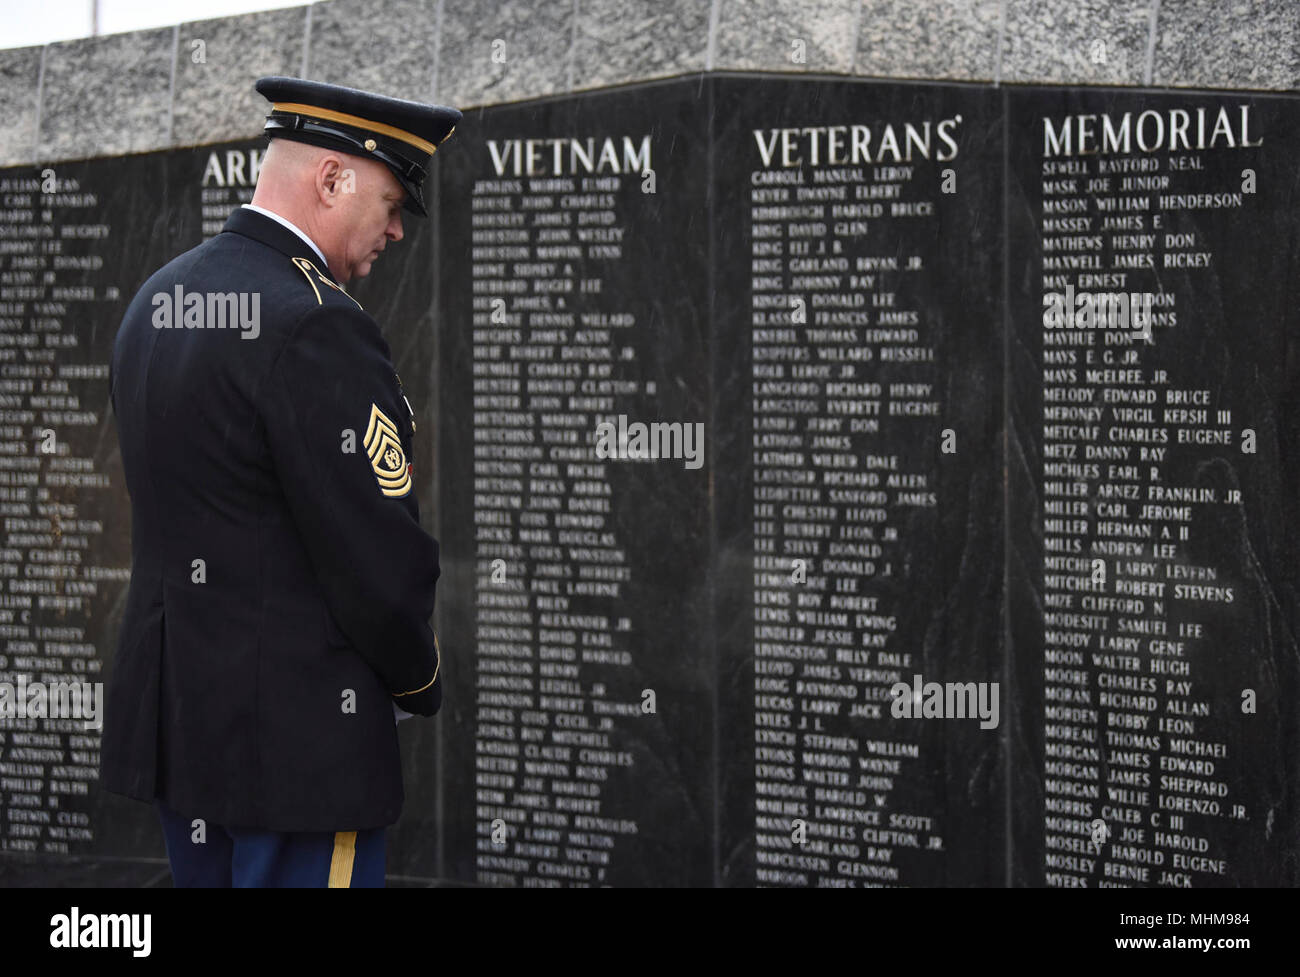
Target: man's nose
(394,229)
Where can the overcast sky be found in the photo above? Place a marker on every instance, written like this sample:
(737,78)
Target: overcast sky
(27,22)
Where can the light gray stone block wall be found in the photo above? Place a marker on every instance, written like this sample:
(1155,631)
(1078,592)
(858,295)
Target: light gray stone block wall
(217,62)
(503,50)
(106,96)
(192,83)
(20,98)
(1228,44)
(387,46)
(615,40)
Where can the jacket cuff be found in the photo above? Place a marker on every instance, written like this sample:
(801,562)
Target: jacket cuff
(427,699)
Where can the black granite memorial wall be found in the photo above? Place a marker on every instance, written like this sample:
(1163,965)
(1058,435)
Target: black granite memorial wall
(739,401)
(1153,595)
(78,239)
(858,321)
(579,732)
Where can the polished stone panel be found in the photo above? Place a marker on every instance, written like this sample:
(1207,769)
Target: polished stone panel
(859,498)
(579,721)
(1152,572)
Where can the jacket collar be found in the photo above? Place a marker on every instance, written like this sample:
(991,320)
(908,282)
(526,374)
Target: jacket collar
(262,229)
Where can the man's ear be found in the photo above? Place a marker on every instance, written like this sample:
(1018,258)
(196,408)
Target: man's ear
(329,180)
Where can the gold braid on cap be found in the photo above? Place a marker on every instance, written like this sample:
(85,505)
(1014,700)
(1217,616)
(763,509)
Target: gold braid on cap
(297,108)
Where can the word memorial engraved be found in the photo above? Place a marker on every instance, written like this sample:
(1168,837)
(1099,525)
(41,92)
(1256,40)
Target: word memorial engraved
(1153,608)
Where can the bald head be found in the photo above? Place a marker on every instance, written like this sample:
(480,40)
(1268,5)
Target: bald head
(349,205)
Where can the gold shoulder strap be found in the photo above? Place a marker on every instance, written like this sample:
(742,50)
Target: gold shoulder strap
(308,269)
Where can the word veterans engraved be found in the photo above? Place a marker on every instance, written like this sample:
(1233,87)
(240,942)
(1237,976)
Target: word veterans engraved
(860,328)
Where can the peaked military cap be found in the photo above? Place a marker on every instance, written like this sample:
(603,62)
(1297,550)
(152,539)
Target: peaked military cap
(400,134)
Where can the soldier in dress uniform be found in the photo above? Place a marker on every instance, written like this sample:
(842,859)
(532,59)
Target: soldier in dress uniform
(277,623)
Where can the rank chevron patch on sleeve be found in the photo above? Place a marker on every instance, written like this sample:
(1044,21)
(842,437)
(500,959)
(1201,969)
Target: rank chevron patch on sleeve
(384,446)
